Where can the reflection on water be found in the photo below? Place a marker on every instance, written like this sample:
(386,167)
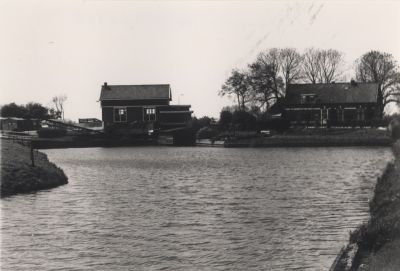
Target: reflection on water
(151,208)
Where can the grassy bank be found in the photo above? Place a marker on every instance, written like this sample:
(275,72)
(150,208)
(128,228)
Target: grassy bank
(18,175)
(375,245)
(316,137)
(87,141)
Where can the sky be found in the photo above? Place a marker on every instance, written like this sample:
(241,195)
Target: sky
(72,47)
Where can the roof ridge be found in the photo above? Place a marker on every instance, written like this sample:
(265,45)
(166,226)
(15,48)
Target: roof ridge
(138,85)
(336,83)
(148,91)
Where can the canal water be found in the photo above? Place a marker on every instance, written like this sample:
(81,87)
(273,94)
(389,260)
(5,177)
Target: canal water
(165,208)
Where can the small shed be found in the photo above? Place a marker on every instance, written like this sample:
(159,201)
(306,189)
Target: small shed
(18,124)
(90,122)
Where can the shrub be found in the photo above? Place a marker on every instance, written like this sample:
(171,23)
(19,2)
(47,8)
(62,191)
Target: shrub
(395,129)
(243,120)
(225,119)
(279,125)
(51,133)
(396,132)
(206,132)
(197,124)
(379,123)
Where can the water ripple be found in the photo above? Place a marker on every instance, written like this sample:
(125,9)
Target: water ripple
(192,209)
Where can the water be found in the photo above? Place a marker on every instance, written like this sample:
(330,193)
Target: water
(164,208)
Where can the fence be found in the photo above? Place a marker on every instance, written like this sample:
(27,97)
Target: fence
(20,138)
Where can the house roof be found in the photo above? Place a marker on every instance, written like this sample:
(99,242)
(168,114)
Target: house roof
(135,92)
(333,93)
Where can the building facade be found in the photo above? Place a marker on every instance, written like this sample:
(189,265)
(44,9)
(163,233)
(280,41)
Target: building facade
(334,104)
(141,107)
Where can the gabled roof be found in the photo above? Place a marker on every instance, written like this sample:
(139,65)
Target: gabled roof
(135,92)
(333,93)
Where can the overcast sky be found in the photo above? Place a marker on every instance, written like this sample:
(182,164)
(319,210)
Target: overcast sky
(71,47)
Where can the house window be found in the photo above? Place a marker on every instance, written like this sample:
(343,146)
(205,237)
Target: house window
(150,114)
(120,114)
(324,116)
(340,114)
(360,114)
(307,98)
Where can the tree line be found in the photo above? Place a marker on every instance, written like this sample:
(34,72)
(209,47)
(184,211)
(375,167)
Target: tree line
(263,83)
(34,110)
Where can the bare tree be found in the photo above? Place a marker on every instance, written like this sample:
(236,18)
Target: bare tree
(290,61)
(264,83)
(322,66)
(271,59)
(381,68)
(58,102)
(310,67)
(330,64)
(271,72)
(237,84)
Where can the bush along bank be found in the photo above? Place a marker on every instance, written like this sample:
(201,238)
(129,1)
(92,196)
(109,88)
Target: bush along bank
(375,245)
(19,176)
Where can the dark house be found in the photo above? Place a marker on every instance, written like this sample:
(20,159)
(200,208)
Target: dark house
(141,108)
(334,104)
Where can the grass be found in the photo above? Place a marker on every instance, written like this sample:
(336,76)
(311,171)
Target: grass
(18,175)
(316,137)
(386,259)
(378,240)
(373,132)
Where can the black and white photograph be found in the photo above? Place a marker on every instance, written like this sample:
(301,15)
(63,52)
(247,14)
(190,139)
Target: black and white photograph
(219,135)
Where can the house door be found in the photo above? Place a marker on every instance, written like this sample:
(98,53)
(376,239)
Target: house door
(324,116)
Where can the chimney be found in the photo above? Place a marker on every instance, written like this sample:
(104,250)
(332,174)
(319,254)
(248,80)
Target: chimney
(106,86)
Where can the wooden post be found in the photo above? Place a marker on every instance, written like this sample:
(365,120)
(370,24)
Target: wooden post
(32,157)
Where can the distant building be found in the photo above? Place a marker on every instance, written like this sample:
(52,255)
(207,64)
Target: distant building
(334,104)
(90,122)
(18,124)
(145,107)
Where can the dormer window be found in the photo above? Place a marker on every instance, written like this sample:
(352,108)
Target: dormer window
(308,98)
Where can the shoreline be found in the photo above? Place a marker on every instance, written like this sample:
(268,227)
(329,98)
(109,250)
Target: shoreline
(78,143)
(375,244)
(339,138)
(308,142)
(19,176)
(358,137)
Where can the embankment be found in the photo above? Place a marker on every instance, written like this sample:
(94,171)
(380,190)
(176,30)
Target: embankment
(356,137)
(375,245)
(90,141)
(19,176)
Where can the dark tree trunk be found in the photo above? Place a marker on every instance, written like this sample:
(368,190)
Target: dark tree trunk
(381,106)
(238,100)
(243,107)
